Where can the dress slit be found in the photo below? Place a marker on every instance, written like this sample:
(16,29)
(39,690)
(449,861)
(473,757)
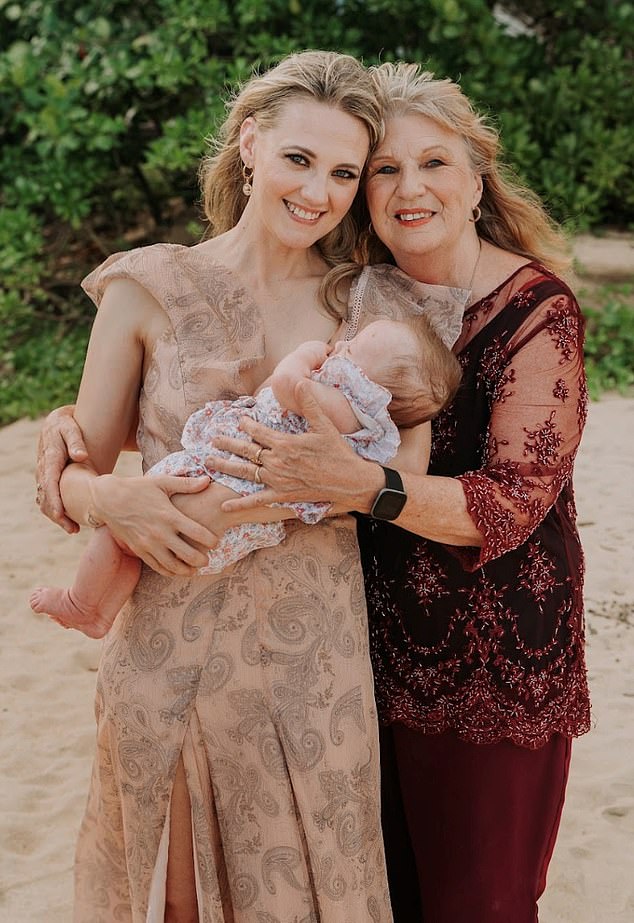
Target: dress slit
(156,902)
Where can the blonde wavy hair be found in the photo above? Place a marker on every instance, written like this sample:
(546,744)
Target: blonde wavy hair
(424,378)
(513,216)
(327,77)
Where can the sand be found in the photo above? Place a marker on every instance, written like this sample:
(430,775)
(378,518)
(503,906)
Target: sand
(47,678)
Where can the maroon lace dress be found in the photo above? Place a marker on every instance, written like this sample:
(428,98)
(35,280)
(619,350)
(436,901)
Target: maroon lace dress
(489,642)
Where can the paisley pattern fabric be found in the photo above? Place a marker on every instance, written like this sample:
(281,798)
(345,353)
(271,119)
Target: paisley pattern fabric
(489,642)
(259,677)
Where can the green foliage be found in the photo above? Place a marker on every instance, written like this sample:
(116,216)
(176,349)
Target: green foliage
(41,372)
(609,347)
(104,107)
(101,96)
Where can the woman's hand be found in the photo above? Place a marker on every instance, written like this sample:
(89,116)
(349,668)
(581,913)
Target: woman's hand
(60,440)
(138,511)
(318,465)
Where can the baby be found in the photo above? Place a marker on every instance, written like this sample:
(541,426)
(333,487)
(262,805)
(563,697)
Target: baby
(392,373)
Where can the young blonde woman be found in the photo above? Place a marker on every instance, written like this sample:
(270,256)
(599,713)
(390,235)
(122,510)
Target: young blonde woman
(236,776)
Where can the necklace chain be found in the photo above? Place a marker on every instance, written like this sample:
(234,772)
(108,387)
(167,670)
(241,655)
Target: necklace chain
(475,269)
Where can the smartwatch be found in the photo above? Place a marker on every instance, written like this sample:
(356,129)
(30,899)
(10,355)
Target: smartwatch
(391,500)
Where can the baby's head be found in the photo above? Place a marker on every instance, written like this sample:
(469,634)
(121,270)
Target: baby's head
(409,359)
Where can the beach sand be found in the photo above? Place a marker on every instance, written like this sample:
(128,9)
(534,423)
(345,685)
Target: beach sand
(47,678)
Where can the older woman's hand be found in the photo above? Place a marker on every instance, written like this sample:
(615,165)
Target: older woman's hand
(317,465)
(60,439)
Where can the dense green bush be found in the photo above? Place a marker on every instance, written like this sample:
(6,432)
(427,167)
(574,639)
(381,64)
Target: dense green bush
(609,347)
(104,106)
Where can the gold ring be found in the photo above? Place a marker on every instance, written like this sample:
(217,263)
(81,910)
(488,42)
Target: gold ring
(256,477)
(258,456)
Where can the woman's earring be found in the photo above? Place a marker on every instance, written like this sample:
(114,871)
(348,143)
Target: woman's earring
(370,229)
(476,214)
(247,176)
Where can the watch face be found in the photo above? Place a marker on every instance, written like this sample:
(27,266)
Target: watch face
(388,504)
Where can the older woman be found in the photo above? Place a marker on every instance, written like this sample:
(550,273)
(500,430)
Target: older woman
(473,571)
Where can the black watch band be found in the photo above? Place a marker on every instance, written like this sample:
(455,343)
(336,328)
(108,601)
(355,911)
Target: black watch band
(391,499)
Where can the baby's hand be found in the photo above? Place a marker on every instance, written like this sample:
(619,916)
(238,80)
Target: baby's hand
(297,366)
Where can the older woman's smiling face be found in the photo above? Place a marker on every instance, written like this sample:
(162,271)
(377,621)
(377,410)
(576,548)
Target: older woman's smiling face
(421,190)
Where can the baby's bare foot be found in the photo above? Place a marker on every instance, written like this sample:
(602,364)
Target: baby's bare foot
(58,604)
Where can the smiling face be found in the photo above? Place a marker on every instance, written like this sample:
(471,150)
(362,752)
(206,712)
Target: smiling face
(306,170)
(421,191)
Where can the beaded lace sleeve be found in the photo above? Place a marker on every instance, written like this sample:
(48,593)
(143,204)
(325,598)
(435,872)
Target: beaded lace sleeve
(536,388)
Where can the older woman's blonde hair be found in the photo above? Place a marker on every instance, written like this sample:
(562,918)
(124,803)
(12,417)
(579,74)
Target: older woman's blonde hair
(327,77)
(513,217)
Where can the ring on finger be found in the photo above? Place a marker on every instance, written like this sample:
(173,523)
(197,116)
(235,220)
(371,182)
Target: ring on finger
(256,476)
(258,456)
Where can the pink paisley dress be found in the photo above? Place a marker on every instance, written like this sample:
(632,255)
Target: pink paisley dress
(259,677)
